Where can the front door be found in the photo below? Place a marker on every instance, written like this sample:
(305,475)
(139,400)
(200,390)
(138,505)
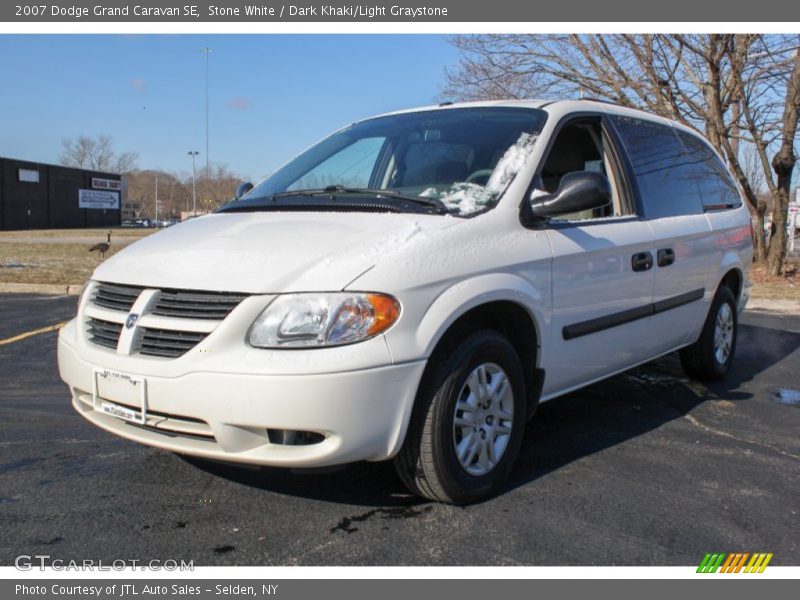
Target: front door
(602,270)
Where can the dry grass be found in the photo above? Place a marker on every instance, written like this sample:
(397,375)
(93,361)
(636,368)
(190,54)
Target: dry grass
(90,234)
(769,287)
(48,263)
(57,256)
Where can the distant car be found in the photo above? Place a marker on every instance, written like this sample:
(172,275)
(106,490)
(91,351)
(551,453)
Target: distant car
(411,288)
(128,223)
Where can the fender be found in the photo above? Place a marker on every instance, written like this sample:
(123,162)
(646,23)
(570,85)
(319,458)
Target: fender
(468,294)
(460,297)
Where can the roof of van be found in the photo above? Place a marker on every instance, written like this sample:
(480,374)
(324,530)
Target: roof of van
(557,108)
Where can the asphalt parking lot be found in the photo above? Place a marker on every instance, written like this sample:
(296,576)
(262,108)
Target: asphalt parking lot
(647,468)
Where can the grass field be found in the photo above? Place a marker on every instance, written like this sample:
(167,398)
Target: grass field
(58,256)
(89,234)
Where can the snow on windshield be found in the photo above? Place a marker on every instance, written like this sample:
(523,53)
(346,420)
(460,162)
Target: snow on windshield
(466,197)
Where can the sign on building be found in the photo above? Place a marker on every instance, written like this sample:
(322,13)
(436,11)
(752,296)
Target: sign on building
(98,199)
(29,175)
(99,183)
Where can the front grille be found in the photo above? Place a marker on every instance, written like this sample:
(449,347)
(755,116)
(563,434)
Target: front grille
(104,333)
(181,304)
(196,305)
(115,296)
(170,339)
(167,343)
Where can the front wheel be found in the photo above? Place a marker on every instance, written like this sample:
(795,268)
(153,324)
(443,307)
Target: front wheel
(710,357)
(468,421)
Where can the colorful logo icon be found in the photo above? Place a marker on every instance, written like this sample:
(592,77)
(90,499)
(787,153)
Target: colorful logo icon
(734,562)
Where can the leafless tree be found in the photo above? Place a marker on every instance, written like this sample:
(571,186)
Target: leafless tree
(740,90)
(175,190)
(217,186)
(173,193)
(96,153)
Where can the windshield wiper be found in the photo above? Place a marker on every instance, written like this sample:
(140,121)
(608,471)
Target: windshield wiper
(440,207)
(338,198)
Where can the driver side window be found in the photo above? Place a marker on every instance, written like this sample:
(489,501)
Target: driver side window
(581,145)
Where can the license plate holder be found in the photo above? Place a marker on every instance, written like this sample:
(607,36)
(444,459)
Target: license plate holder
(131,385)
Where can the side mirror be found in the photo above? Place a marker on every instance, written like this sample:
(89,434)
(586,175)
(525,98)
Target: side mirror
(577,191)
(243,189)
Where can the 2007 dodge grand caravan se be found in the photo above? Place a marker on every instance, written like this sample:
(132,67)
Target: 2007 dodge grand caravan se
(412,286)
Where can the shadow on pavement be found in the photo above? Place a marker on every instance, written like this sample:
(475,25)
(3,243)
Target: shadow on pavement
(564,430)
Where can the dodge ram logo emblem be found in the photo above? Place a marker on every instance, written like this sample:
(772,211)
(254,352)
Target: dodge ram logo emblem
(131,320)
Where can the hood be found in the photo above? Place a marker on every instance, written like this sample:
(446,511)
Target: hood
(266,252)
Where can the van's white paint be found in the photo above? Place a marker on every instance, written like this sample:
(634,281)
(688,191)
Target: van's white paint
(360,396)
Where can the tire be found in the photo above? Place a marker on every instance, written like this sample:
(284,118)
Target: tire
(706,359)
(428,463)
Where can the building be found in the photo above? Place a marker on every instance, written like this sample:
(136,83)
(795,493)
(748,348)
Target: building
(41,196)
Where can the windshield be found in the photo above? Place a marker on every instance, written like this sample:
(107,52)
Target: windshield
(463,158)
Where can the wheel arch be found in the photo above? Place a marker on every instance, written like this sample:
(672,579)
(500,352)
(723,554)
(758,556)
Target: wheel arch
(504,303)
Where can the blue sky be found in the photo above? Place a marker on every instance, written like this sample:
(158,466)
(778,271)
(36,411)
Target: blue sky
(270,96)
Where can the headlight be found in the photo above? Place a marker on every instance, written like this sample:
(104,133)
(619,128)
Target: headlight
(317,320)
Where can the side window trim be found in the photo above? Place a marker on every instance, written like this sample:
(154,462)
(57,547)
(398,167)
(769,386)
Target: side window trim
(627,181)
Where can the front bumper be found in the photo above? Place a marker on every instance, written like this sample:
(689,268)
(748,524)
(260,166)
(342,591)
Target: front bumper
(360,414)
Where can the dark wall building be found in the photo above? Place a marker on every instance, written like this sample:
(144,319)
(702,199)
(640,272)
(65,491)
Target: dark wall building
(40,196)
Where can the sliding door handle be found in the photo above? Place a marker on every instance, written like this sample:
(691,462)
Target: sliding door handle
(665,257)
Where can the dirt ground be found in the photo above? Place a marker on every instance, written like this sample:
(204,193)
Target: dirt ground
(770,287)
(59,256)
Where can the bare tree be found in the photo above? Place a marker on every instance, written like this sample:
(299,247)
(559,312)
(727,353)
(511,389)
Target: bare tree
(173,193)
(741,90)
(96,153)
(217,186)
(175,190)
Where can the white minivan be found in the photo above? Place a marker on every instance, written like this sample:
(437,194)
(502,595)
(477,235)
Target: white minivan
(412,286)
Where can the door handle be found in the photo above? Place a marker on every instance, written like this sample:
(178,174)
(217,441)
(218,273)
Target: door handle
(665,257)
(642,261)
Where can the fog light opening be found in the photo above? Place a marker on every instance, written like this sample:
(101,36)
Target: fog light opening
(291,437)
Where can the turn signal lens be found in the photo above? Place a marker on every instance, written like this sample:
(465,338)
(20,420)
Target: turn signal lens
(385,312)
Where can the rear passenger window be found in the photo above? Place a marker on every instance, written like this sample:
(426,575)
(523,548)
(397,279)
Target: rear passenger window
(717,190)
(664,171)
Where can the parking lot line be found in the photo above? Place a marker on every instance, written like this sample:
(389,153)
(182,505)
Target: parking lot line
(27,334)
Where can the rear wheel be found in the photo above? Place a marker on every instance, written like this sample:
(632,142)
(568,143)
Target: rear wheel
(710,357)
(468,421)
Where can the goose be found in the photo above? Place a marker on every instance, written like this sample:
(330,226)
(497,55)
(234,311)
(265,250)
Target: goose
(102,247)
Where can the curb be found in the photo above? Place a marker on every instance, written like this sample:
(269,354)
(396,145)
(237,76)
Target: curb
(780,306)
(53,289)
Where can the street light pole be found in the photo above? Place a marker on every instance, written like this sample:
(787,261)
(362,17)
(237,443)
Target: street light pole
(156,199)
(194,153)
(207,52)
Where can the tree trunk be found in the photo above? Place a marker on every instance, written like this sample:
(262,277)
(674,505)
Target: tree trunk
(760,235)
(778,240)
(783,165)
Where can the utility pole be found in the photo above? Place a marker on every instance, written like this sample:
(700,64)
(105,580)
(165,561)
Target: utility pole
(194,153)
(207,52)
(156,199)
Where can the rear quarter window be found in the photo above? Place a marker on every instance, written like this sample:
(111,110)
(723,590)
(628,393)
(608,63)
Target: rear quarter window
(717,190)
(665,172)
